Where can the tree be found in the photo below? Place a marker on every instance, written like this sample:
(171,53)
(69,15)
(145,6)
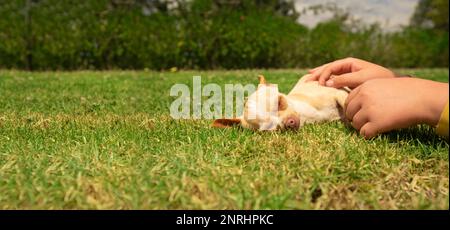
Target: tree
(431,14)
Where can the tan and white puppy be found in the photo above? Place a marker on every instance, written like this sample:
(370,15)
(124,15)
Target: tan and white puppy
(308,102)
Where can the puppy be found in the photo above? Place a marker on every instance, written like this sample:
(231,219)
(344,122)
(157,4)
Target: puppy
(308,102)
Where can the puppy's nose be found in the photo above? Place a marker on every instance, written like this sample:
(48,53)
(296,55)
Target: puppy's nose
(292,122)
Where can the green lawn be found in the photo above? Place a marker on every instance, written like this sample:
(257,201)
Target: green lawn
(105,140)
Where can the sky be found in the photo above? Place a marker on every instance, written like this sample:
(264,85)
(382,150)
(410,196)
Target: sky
(392,14)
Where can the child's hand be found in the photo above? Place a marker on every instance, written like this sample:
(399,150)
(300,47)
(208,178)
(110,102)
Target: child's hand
(382,105)
(349,72)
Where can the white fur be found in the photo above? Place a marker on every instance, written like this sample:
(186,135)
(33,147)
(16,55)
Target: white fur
(311,101)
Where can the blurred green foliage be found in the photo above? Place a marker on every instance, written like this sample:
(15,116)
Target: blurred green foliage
(431,14)
(198,34)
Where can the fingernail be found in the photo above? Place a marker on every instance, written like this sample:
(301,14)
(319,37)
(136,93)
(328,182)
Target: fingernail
(329,83)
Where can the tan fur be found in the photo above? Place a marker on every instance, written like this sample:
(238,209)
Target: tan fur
(319,97)
(262,79)
(309,101)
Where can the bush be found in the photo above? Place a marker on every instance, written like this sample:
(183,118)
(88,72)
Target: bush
(108,34)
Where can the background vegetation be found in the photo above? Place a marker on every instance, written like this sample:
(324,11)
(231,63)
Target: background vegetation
(204,34)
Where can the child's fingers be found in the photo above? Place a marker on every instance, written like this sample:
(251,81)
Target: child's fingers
(350,97)
(315,73)
(317,68)
(318,71)
(352,108)
(309,77)
(368,130)
(335,68)
(359,119)
(351,80)
(324,76)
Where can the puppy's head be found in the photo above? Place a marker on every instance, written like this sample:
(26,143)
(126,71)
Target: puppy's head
(265,109)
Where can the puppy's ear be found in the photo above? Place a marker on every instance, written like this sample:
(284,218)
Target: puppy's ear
(282,103)
(262,79)
(225,122)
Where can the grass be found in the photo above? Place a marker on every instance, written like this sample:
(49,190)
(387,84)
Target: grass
(105,140)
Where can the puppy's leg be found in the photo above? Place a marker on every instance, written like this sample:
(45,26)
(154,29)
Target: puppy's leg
(340,98)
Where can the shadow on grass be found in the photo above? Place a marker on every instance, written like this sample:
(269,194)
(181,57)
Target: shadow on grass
(419,136)
(422,133)
(422,136)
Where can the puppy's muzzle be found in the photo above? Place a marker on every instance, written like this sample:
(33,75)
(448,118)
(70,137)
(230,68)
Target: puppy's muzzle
(292,122)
